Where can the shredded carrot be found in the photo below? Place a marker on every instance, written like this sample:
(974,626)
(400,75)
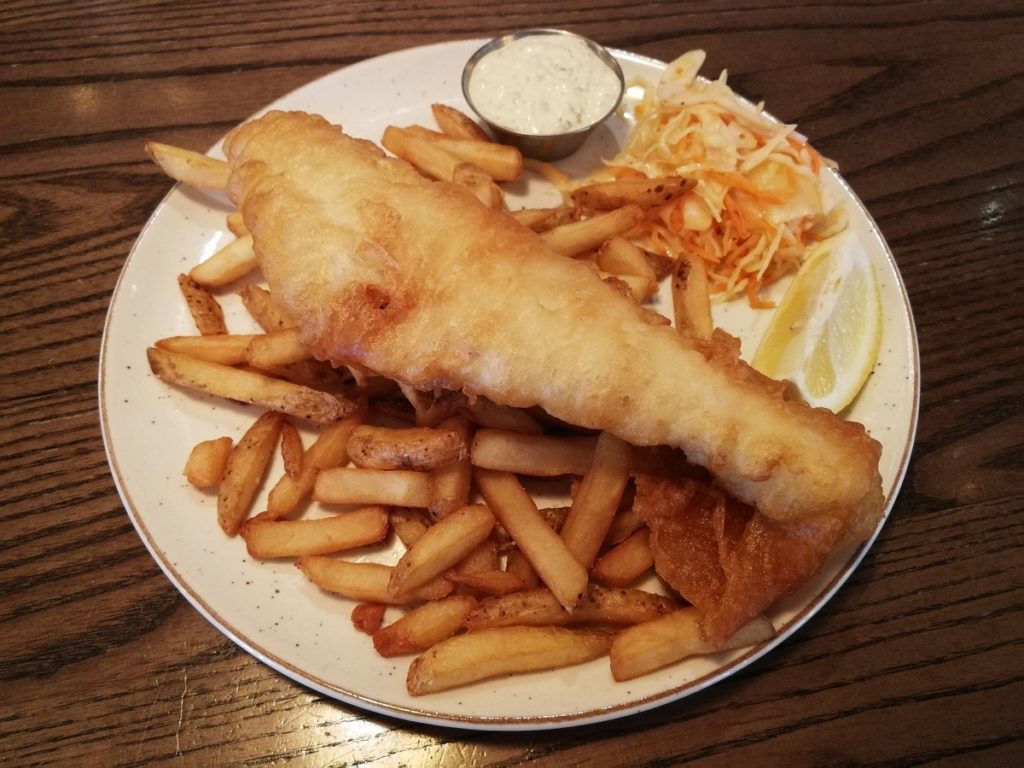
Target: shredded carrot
(755,177)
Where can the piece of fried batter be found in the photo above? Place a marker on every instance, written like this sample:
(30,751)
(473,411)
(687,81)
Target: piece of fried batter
(417,281)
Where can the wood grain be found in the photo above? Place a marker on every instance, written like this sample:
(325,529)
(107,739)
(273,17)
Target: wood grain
(918,659)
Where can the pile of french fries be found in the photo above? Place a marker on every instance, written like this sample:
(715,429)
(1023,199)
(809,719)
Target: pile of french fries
(488,583)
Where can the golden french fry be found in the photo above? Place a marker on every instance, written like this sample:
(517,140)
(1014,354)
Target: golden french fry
(545,550)
(655,644)
(268,538)
(500,162)
(626,522)
(547,170)
(248,387)
(457,124)
(529,454)
(276,348)
(430,409)
(482,558)
(647,193)
(487,583)
(488,653)
(424,626)
(291,449)
(578,237)
(487,413)
(368,617)
(409,524)
(424,154)
(440,547)
(245,468)
(207,461)
(270,315)
(188,167)
(416,448)
(452,482)
(597,500)
(691,300)
(365,582)
(536,607)
(541,219)
(236,224)
(353,485)
(204,308)
(329,450)
(621,257)
(517,565)
(626,562)
(599,605)
(232,262)
(477,181)
(223,348)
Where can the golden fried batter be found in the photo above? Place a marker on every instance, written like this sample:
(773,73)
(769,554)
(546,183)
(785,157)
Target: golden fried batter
(418,281)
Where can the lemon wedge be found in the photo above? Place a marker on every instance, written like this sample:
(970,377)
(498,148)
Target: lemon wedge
(827,330)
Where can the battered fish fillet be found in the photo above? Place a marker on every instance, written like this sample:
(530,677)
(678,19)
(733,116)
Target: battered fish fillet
(417,281)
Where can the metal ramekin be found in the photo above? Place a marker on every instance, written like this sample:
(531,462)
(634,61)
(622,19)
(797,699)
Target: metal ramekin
(542,146)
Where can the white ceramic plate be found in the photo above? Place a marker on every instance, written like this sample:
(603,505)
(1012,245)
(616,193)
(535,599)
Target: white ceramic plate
(271,609)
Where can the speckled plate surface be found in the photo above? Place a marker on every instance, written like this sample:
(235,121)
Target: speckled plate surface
(269,608)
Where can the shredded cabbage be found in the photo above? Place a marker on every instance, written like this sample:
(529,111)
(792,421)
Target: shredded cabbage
(758,202)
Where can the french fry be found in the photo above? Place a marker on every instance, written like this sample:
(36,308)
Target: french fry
(502,651)
(529,454)
(291,449)
(424,154)
(457,124)
(547,553)
(368,617)
(276,348)
(266,538)
(621,257)
(655,644)
(452,482)
(417,448)
(409,524)
(365,582)
(487,413)
(501,162)
(270,315)
(431,410)
(223,348)
(246,466)
(690,297)
(476,180)
(424,626)
(204,308)
(578,237)
(236,224)
(248,387)
(599,605)
(595,504)
(330,449)
(541,219)
(527,608)
(647,193)
(207,461)
(352,485)
(482,558)
(517,565)
(626,522)
(232,262)
(188,167)
(626,562)
(440,547)
(487,583)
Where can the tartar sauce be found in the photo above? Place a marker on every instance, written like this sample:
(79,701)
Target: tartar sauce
(543,84)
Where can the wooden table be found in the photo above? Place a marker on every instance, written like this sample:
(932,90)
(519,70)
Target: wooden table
(918,658)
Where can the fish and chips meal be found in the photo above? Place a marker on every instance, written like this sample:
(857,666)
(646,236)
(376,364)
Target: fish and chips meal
(427,357)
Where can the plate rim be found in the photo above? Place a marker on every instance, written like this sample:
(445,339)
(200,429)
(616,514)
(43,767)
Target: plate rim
(425,715)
